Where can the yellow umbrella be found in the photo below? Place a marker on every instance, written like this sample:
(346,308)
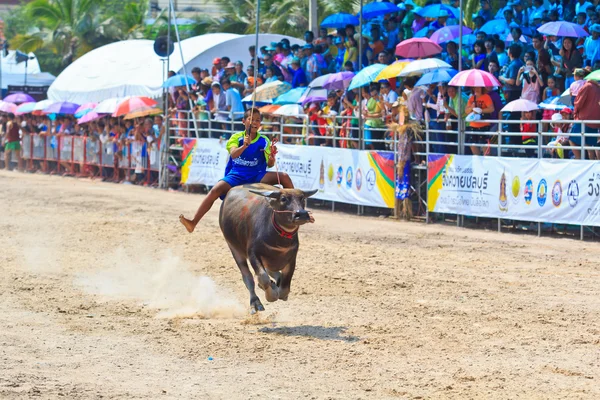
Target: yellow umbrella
(392,71)
(143,113)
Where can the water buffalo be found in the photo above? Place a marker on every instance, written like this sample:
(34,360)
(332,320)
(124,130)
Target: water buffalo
(260,224)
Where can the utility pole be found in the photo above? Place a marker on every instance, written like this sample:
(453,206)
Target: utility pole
(313,21)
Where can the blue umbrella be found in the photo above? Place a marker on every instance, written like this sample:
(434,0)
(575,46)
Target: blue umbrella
(553,103)
(291,97)
(423,32)
(339,20)
(437,76)
(495,27)
(433,11)
(366,75)
(468,40)
(179,80)
(376,9)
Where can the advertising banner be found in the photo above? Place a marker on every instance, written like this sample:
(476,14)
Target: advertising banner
(558,191)
(341,175)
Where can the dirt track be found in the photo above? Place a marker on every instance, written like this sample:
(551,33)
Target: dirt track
(93,305)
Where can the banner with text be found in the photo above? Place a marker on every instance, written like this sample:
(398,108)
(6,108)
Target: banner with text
(341,175)
(559,191)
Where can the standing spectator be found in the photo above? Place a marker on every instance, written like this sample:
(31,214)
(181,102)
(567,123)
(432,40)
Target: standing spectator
(322,39)
(309,37)
(373,113)
(233,103)
(268,62)
(451,56)
(485,12)
(409,18)
(588,95)
(216,71)
(571,59)
(341,52)
(196,73)
(511,89)
(239,77)
(415,103)
(451,104)
(481,105)
(577,84)
(494,68)
(531,81)
(351,53)
(591,46)
(12,142)
(529,138)
(219,110)
(312,65)
(490,54)
(478,57)
(387,96)
(503,59)
(542,55)
(298,75)
(393,35)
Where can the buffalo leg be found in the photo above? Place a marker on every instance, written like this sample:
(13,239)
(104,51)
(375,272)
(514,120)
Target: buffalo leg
(264,282)
(286,280)
(240,260)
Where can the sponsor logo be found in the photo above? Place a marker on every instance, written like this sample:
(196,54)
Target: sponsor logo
(339,177)
(322,175)
(528,191)
(503,199)
(358,179)
(330,173)
(349,177)
(371,178)
(557,193)
(542,192)
(515,189)
(573,193)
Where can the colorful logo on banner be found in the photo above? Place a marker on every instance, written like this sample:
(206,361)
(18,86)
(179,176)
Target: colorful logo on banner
(573,193)
(383,166)
(340,176)
(436,166)
(322,175)
(528,191)
(186,157)
(349,178)
(358,179)
(503,198)
(515,189)
(371,179)
(542,192)
(557,193)
(330,173)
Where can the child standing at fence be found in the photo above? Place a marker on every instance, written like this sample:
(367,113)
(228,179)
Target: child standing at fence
(527,129)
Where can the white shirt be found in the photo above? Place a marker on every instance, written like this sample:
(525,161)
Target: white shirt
(582,7)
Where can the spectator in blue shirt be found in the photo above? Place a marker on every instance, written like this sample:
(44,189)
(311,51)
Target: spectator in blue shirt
(591,46)
(298,75)
(486,10)
(511,90)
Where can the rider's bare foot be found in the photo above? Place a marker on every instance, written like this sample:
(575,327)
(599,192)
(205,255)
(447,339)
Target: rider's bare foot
(312,219)
(189,225)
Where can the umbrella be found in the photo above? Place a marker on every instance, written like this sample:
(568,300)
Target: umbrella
(179,80)
(132,104)
(474,78)
(366,75)
(40,106)
(270,90)
(377,9)
(25,108)
(437,76)
(433,11)
(339,81)
(248,99)
(89,117)
(84,109)
(419,67)
(448,33)
(553,103)
(19,98)
(423,32)
(562,28)
(594,76)
(144,112)
(8,107)
(269,108)
(522,39)
(392,70)
(290,110)
(339,20)
(319,81)
(468,40)
(495,27)
(520,105)
(417,48)
(313,96)
(61,107)
(291,97)
(566,98)
(108,106)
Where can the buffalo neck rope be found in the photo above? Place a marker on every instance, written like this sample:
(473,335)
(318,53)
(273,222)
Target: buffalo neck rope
(280,231)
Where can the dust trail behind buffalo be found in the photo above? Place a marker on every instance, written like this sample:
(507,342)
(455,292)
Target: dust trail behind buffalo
(167,285)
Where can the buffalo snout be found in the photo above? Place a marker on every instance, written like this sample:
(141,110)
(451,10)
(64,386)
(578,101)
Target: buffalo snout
(300,216)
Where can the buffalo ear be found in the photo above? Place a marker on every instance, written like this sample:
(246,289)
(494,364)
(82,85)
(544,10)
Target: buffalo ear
(308,193)
(273,194)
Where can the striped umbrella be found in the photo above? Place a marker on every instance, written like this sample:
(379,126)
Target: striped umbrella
(474,78)
(133,104)
(25,108)
(84,109)
(89,117)
(8,107)
(271,90)
(109,106)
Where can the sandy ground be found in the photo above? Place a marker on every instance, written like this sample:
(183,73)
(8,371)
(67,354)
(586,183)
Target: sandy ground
(104,295)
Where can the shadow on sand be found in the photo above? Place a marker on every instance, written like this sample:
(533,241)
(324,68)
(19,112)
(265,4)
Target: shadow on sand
(317,332)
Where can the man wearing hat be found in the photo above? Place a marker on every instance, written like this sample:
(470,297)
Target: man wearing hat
(312,66)
(586,109)
(591,46)
(268,63)
(216,68)
(298,75)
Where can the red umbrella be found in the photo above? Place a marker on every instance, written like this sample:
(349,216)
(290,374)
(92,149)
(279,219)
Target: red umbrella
(417,48)
(133,104)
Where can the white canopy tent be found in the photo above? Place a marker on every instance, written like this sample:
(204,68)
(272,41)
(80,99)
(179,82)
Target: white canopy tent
(131,68)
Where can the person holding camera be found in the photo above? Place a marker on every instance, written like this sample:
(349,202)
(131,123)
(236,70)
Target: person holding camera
(529,78)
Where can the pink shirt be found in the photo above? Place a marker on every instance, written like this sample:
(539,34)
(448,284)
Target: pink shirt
(576,86)
(531,91)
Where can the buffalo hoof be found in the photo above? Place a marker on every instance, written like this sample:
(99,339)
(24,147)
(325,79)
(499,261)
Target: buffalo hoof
(255,306)
(272,293)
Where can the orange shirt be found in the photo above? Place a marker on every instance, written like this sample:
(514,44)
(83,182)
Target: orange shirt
(484,101)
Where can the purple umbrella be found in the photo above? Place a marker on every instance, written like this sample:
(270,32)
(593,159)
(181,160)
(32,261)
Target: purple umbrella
(562,28)
(62,107)
(339,81)
(8,107)
(313,95)
(19,98)
(448,33)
